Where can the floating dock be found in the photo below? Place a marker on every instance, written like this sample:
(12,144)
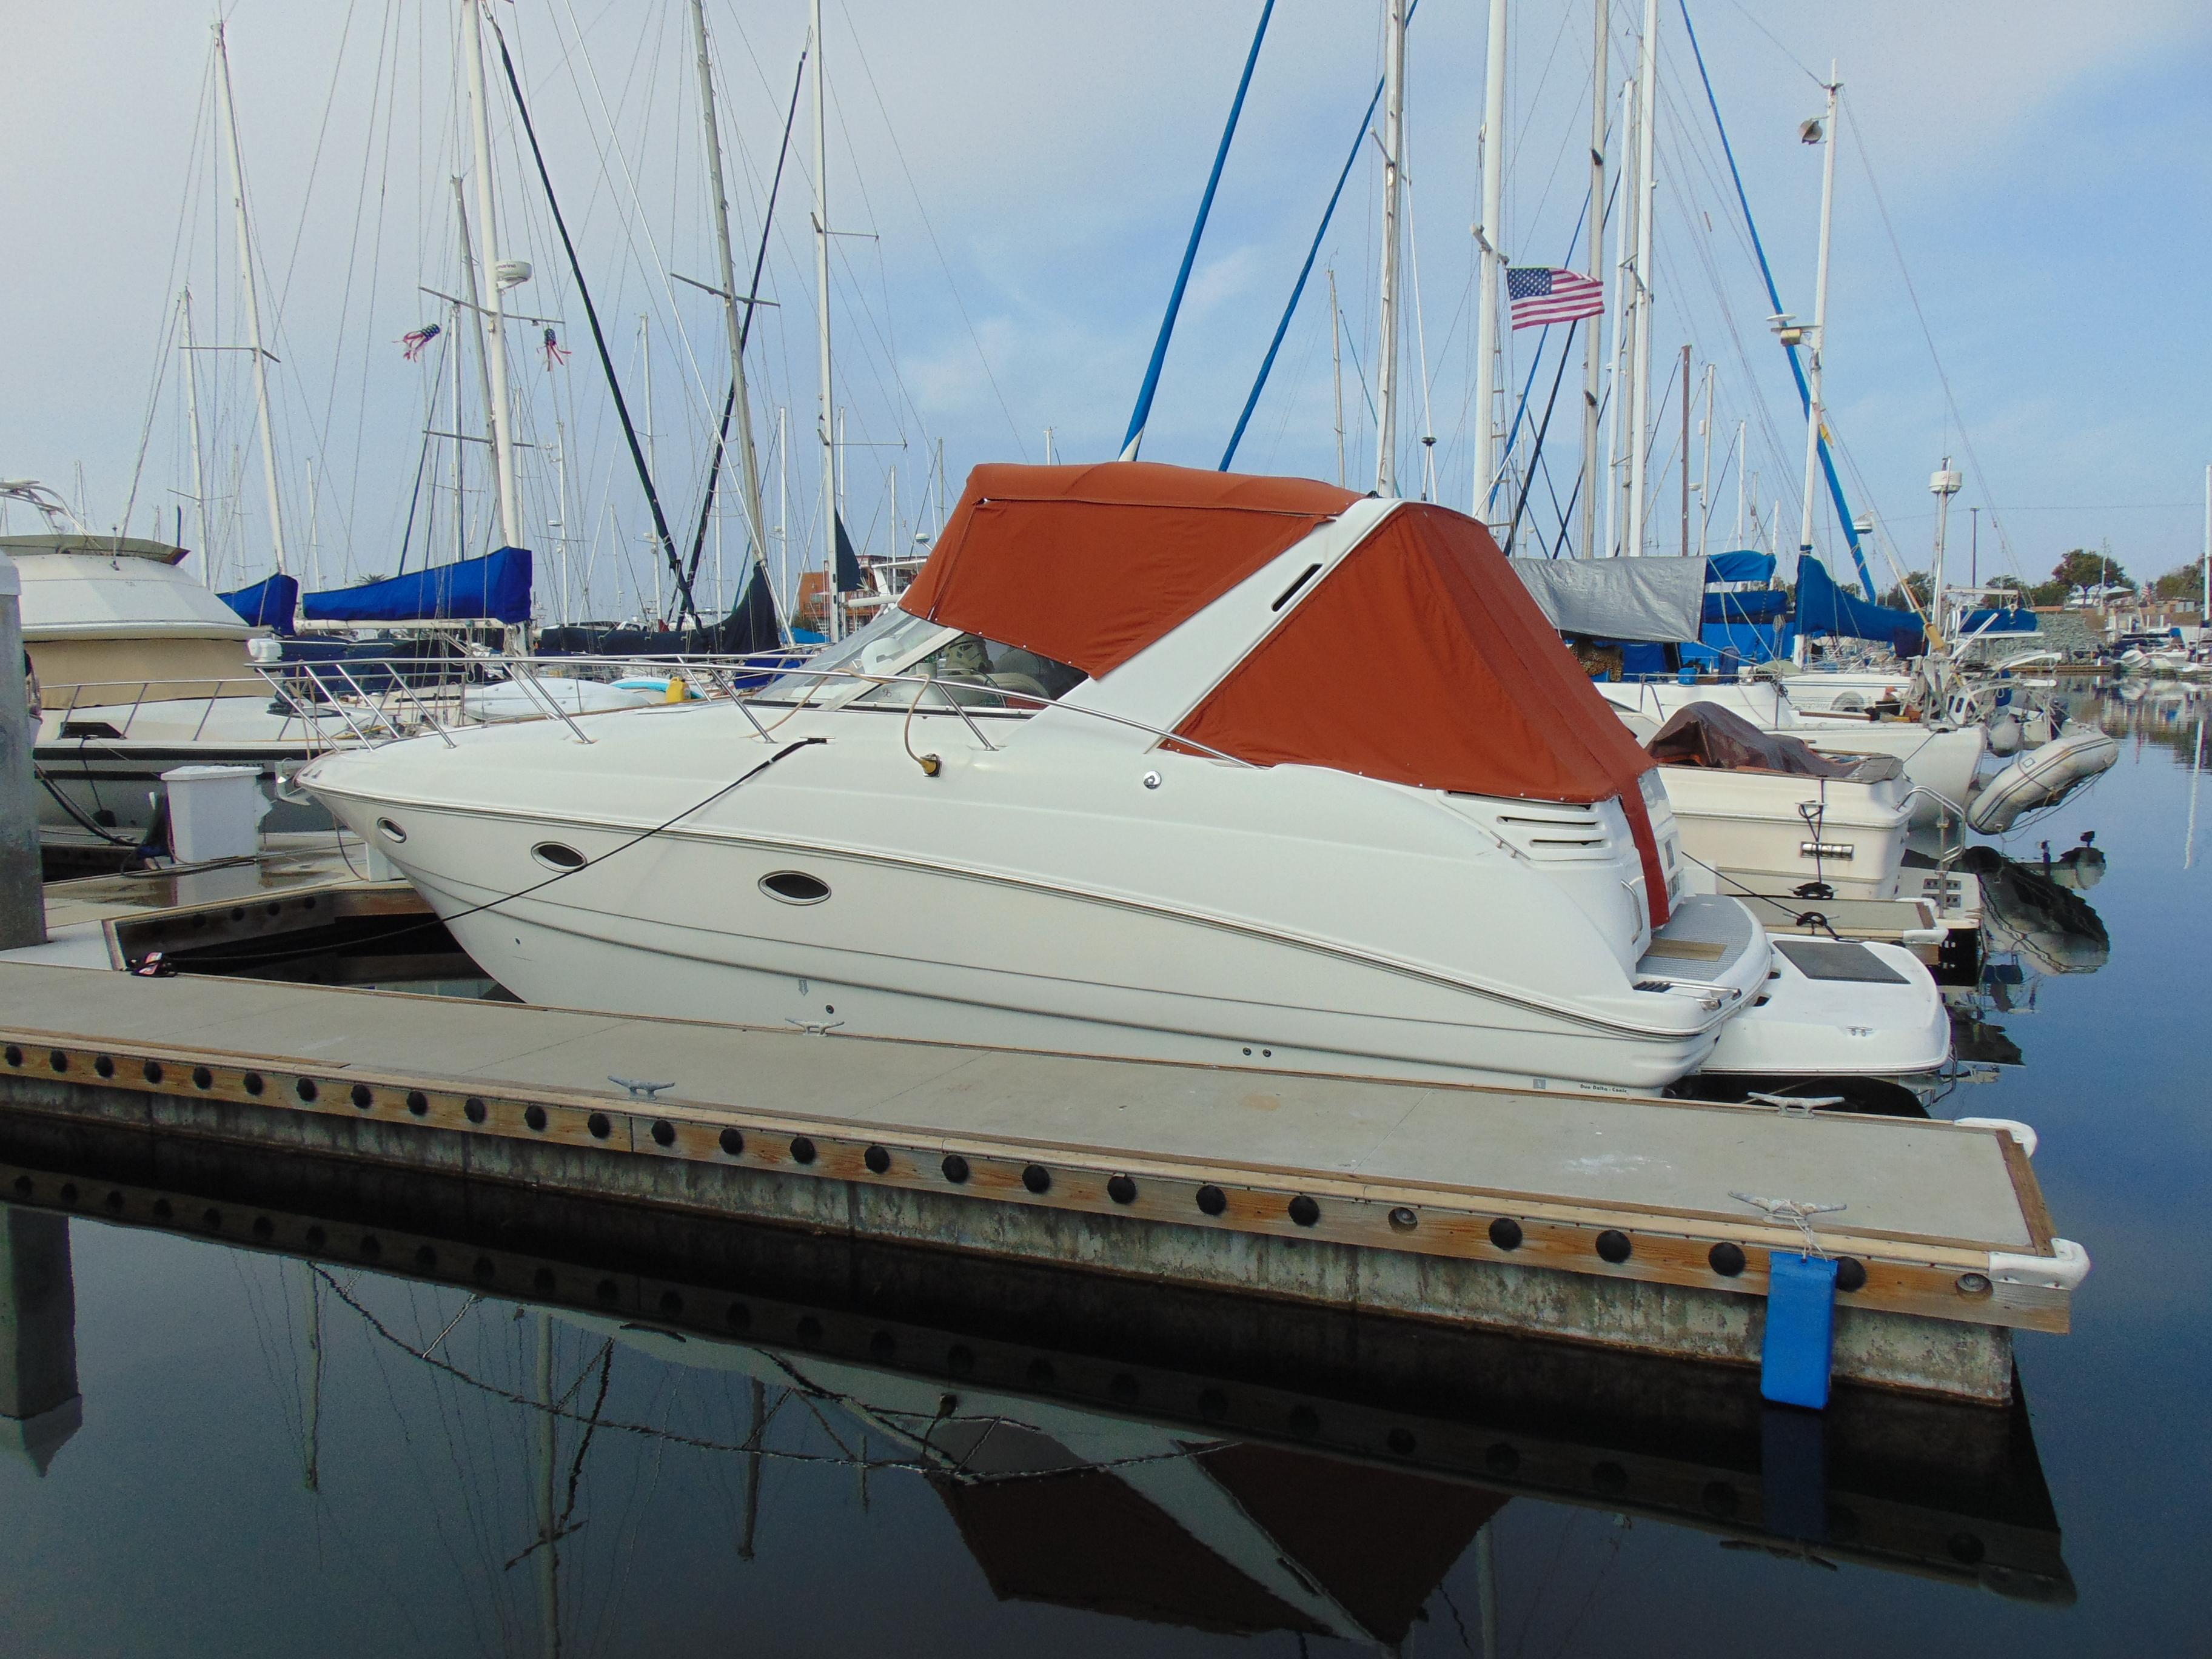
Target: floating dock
(1626,1222)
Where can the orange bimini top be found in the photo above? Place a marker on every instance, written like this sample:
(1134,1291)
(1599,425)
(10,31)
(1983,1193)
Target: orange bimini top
(1089,565)
(1421,658)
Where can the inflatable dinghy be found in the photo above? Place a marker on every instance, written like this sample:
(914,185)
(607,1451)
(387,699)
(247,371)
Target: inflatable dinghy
(2043,777)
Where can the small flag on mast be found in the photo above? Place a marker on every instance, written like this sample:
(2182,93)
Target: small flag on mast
(1545,294)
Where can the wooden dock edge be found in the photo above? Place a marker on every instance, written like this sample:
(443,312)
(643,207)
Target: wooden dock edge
(1928,1318)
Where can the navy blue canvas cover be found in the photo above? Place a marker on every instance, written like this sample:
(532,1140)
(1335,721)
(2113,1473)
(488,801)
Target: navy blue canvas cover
(268,604)
(494,588)
(1825,608)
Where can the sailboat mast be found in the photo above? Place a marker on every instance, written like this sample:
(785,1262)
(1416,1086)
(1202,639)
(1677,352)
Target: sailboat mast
(827,422)
(1815,412)
(1393,132)
(1336,364)
(732,320)
(1686,450)
(1647,191)
(193,418)
(1742,460)
(1623,325)
(1706,470)
(259,356)
(500,418)
(460,444)
(474,297)
(1488,238)
(1594,338)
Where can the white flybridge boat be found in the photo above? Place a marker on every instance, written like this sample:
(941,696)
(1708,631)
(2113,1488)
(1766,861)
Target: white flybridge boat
(1148,763)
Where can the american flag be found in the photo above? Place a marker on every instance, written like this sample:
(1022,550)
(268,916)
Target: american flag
(1544,294)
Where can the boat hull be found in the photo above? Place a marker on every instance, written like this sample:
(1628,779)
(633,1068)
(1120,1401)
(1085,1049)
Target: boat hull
(1030,897)
(1076,974)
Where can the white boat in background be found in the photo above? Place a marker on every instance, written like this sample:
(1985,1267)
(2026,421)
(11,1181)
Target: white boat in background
(140,669)
(1940,763)
(1148,763)
(1760,812)
(114,612)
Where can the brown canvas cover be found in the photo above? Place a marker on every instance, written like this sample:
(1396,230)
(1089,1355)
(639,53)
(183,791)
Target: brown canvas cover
(1422,658)
(1089,565)
(1705,734)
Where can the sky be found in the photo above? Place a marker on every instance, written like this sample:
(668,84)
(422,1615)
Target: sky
(2019,235)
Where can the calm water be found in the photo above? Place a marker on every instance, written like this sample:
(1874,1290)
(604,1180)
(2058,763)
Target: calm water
(884,1456)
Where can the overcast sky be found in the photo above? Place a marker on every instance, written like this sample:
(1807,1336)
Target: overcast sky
(1025,177)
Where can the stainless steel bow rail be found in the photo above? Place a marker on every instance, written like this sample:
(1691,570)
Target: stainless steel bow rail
(373,712)
(1598,1218)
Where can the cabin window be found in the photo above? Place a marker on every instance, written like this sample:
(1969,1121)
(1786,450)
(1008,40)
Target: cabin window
(980,673)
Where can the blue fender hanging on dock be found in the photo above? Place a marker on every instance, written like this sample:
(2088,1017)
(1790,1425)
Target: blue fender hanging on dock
(1801,1328)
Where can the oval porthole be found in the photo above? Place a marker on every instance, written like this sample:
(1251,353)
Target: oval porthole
(390,830)
(554,856)
(794,887)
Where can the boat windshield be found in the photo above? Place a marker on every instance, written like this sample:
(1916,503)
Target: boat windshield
(891,637)
(963,669)
(975,672)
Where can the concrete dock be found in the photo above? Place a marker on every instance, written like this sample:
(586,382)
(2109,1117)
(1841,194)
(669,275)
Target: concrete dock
(1619,1221)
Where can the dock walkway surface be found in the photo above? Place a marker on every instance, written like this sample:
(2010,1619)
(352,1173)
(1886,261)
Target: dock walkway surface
(1598,1218)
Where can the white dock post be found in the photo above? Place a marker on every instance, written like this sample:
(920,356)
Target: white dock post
(22,894)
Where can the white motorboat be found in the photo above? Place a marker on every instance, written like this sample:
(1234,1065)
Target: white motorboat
(1760,812)
(1148,763)
(117,612)
(1938,762)
(140,669)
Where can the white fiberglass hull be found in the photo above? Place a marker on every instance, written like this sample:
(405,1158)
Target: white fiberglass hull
(1773,832)
(1940,762)
(102,766)
(1840,1009)
(1040,896)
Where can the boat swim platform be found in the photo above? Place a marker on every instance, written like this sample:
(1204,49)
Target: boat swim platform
(1614,1220)
(1940,1489)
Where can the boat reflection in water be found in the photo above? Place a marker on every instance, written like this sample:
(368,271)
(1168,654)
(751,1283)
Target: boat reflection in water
(1136,1452)
(2035,924)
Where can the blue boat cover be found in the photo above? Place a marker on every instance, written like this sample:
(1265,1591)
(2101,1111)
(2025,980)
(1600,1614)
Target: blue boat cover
(1750,641)
(1998,622)
(1825,608)
(270,604)
(495,588)
(1748,565)
(1754,604)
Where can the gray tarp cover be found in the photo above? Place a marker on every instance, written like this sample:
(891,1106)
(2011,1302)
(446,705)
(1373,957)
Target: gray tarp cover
(1653,599)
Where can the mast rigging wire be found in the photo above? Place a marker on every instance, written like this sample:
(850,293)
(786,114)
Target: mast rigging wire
(689,607)
(1135,437)
(1298,287)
